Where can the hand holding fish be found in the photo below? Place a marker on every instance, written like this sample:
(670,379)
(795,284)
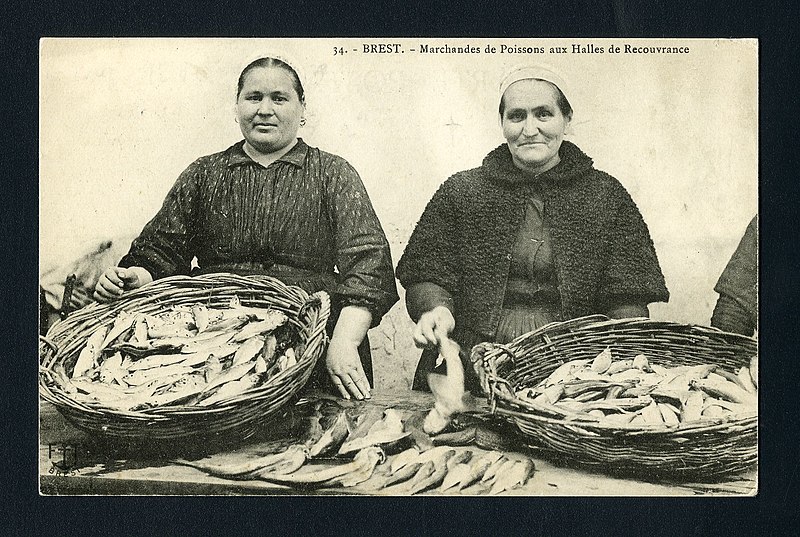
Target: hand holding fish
(116,279)
(434,327)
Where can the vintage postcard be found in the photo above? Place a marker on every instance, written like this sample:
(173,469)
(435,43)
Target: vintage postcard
(235,233)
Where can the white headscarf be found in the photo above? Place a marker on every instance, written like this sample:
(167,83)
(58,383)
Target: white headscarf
(540,72)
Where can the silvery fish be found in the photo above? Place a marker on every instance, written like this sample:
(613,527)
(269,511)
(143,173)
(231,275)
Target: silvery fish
(87,359)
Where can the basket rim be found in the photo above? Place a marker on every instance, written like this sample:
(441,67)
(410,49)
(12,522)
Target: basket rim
(314,307)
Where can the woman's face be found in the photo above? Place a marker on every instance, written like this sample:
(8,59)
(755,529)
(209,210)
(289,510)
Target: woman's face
(269,109)
(533,125)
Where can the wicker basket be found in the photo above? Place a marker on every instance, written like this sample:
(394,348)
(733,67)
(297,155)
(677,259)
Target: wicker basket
(706,448)
(235,417)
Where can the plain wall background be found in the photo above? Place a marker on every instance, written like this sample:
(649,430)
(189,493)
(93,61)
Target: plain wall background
(121,118)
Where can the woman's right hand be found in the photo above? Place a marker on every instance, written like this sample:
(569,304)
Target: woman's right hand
(433,327)
(117,279)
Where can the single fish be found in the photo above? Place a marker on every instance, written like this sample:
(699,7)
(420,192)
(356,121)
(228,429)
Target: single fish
(622,418)
(550,395)
(232,389)
(641,363)
(490,472)
(212,368)
(402,474)
(290,361)
(726,390)
(62,380)
(232,373)
(619,366)
(274,317)
(448,390)
(157,360)
(588,374)
(652,415)
(425,471)
(269,348)
(464,437)
(227,325)
(110,392)
(174,329)
(328,476)
(625,403)
(515,476)
(200,313)
(122,324)
(111,370)
(714,411)
(253,329)
(332,438)
(235,470)
(433,453)
(137,378)
(455,475)
(574,388)
(692,406)
(248,350)
(87,359)
(478,468)
(186,387)
(745,380)
(630,374)
(141,350)
(404,458)
(362,474)
(387,431)
(668,414)
(290,461)
(140,330)
(602,361)
(437,476)
(563,371)
(461,457)
(736,408)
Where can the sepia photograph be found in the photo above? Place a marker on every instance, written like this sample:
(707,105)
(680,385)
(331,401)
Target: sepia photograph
(395,267)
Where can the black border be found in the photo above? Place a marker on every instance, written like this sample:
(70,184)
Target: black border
(772,511)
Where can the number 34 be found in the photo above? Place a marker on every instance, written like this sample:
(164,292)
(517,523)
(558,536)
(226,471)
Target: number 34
(337,51)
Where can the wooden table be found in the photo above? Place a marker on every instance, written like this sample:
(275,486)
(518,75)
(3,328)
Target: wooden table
(103,469)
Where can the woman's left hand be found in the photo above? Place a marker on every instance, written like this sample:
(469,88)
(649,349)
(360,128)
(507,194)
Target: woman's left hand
(344,367)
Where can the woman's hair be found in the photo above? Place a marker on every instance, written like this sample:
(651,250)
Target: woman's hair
(271,63)
(561,100)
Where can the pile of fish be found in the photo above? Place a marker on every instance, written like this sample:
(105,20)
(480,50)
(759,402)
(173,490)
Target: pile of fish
(450,469)
(384,456)
(638,393)
(182,355)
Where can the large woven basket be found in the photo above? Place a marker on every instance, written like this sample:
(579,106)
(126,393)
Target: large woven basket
(705,448)
(233,418)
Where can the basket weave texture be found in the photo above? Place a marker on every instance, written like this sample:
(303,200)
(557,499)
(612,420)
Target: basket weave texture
(235,417)
(710,447)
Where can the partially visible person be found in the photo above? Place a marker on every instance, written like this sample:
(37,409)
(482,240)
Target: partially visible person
(737,306)
(271,204)
(89,264)
(534,235)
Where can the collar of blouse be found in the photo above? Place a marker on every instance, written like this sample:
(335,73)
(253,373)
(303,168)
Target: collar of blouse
(295,156)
